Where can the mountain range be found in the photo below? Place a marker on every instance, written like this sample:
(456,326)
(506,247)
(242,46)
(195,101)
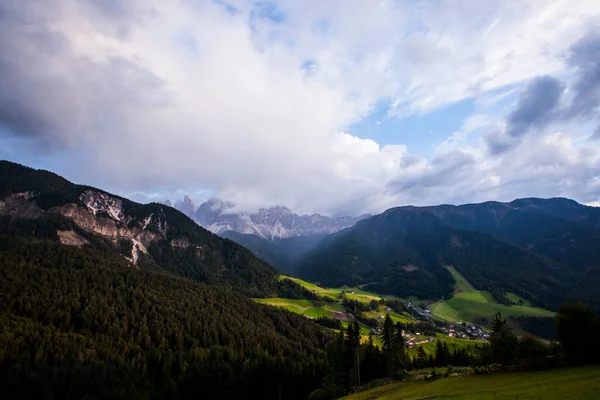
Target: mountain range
(103,297)
(544,250)
(276,222)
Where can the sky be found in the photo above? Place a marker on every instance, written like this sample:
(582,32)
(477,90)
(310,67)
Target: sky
(337,107)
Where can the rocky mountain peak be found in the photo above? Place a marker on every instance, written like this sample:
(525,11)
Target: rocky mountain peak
(186,206)
(274,222)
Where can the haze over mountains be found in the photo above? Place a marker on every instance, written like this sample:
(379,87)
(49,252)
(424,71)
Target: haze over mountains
(277,222)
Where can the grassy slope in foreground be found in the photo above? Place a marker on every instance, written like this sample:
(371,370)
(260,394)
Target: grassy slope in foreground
(574,383)
(470,304)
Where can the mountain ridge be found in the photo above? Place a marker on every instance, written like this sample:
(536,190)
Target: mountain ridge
(276,222)
(523,246)
(151,235)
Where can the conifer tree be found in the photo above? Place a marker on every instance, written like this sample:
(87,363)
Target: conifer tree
(503,343)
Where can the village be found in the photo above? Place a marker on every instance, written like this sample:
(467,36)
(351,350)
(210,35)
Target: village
(420,327)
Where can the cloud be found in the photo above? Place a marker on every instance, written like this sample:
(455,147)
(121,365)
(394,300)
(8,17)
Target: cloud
(49,91)
(541,102)
(498,142)
(251,102)
(584,58)
(535,106)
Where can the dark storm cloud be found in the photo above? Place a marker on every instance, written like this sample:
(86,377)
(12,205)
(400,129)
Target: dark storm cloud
(540,103)
(585,58)
(25,40)
(536,106)
(499,142)
(50,93)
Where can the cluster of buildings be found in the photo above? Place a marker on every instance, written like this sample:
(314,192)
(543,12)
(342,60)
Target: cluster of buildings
(462,330)
(420,313)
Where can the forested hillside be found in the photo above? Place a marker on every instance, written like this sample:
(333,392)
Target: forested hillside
(77,322)
(403,252)
(152,235)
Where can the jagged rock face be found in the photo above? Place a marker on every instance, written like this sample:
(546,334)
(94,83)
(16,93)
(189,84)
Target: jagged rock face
(270,223)
(106,227)
(214,211)
(97,213)
(98,202)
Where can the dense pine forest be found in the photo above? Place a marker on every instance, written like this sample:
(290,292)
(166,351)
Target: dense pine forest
(79,322)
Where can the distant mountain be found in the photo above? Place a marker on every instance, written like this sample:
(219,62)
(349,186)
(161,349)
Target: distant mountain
(269,223)
(152,236)
(558,228)
(186,206)
(545,250)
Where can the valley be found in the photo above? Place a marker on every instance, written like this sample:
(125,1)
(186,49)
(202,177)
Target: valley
(293,200)
(467,306)
(137,300)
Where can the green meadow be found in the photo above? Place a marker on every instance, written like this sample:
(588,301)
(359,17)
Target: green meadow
(303,307)
(351,293)
(310,309)
(581,383)
(452,342)
(471,305)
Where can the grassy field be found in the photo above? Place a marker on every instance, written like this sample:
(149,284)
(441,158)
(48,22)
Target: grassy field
(308,308)
(335,293)
(452,343)
(461,282)
(575,383)
(515,299)
(303,307)
(394,315)
(471,305)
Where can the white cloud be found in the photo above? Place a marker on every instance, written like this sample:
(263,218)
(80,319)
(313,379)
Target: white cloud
(159,96)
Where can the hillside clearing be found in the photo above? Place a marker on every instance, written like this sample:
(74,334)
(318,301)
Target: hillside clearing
(461,282)
(351,293)
(476,306)
(302,307)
